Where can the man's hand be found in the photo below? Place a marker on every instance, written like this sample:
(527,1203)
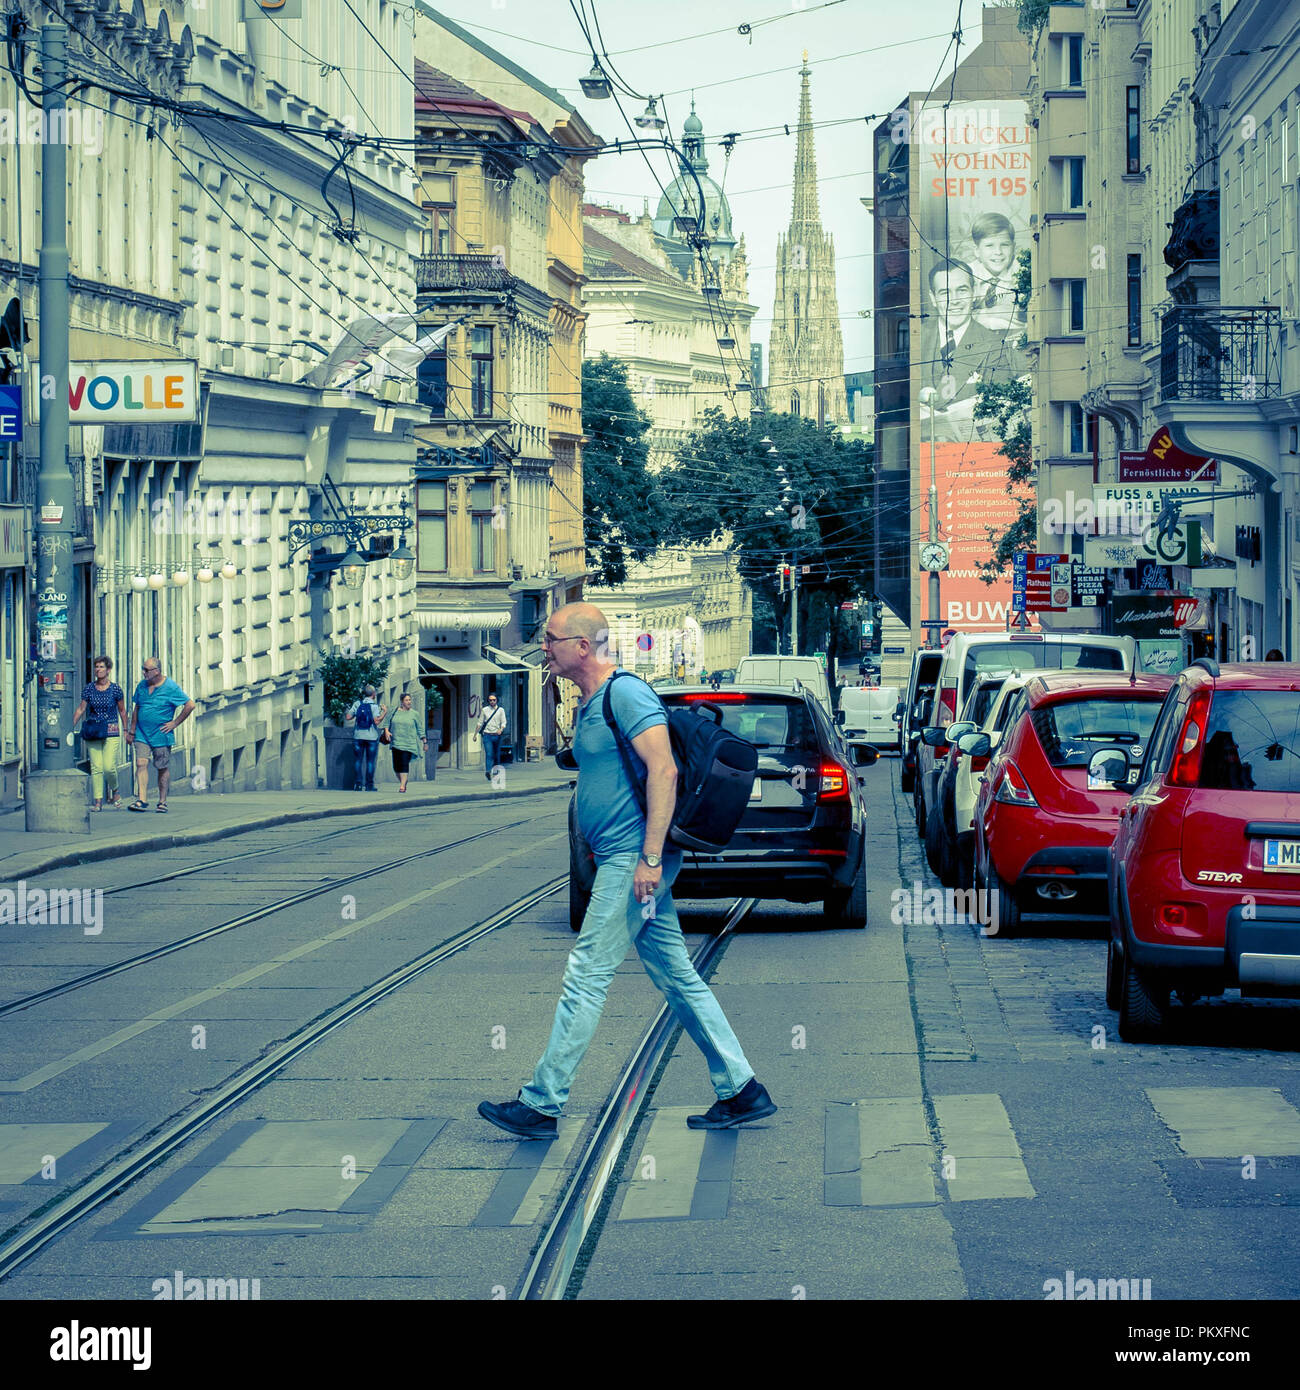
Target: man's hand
(645,882)
(167,727)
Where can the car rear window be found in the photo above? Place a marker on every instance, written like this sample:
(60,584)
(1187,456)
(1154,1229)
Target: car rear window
(769,722)
(1052,656)
(1252,742)
(1071,731)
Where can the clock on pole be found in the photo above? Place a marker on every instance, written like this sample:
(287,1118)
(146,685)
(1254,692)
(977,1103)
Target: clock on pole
(934,556)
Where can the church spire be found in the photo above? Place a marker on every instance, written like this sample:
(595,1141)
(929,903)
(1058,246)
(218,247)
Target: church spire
(805,211)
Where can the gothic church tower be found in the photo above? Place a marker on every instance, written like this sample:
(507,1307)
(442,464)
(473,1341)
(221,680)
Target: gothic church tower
(806,352)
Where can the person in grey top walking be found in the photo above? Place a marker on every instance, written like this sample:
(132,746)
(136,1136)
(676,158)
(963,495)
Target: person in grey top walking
(408,739)
(491,729)
(366,715)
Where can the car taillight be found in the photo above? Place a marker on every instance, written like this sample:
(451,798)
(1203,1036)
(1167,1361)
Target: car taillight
(1013,790)
(1186,769)
(834,782)
(1173,915)
(947,704)
(714,697)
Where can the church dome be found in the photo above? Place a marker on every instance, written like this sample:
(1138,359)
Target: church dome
(682,197)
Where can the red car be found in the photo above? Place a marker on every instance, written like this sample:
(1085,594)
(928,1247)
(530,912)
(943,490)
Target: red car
(1204,877)
(1044,818)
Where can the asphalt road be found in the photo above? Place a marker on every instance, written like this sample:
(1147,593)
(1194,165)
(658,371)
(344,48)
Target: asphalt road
(958,1117)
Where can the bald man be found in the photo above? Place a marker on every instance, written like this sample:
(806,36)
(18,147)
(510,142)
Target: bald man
(631,900)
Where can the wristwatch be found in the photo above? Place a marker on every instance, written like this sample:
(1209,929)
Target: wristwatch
(653,860)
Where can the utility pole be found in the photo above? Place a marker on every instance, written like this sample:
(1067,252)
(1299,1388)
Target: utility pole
(794,606)
(935,629)
(55,797)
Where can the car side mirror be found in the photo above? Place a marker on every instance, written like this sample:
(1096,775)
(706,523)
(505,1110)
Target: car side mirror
(839,716)
(955,731)
(898,710)
(863,754)
(920,709)
(934,736)
(975,745)
(1108,767)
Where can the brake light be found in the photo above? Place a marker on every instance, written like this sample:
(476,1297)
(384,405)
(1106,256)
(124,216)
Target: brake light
(834,782)
(947,703)
(1186,769)
(1013,790)
(1051,869)
(714,697)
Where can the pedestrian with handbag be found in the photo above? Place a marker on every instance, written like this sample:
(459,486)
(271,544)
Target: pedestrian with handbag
(407,738)
(492,729)
(103,702)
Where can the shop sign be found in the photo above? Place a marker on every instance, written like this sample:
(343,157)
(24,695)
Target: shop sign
(1146,617)
(101,393)
(11,414)
(1087,585)
(13,549)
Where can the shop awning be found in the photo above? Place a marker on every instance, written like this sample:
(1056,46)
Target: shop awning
(462,619)
(511,663)
(443,665)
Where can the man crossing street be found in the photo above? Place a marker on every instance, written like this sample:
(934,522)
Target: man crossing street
(631,900)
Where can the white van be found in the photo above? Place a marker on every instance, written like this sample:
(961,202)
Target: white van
(869,714)
(783,671)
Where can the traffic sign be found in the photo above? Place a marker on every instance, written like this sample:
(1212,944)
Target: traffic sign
(645,642)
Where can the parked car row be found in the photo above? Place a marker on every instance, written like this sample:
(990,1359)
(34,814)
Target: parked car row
(1167,809)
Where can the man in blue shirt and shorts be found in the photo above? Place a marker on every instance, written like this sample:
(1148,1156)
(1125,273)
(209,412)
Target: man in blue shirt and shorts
(631,900)
(157,707)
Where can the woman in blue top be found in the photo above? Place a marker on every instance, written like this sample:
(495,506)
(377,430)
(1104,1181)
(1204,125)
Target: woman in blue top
(105,700)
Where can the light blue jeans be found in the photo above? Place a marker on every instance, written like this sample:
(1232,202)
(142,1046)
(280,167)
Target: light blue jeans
(614,921)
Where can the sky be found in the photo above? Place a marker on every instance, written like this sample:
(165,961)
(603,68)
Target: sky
(864,55)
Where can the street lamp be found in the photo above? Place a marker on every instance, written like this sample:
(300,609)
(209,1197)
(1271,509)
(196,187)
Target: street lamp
(402,562)
(353,568)
(650,119)
(595,85)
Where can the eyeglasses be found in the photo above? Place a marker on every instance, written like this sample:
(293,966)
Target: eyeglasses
(548,640)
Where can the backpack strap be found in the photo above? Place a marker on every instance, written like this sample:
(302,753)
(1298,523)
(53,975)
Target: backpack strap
(622,742)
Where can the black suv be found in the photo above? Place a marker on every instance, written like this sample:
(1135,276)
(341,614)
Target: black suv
(801,838)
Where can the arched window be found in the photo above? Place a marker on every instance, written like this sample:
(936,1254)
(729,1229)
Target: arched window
(794,403)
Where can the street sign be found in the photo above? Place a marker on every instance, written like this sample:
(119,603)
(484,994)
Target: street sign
(645,642)
(11,414)
(1087,585)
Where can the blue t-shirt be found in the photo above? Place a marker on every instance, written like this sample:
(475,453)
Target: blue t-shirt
(156,708)
(609,815)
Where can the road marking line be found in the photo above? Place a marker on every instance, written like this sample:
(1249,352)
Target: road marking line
(976,1133)
(24,1147)
(165,1015)
(1228,1121)
(676,1152)
(529,1178)
(894,1165)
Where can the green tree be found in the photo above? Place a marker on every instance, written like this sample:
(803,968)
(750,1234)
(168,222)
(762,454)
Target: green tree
(625,516)
(725,484)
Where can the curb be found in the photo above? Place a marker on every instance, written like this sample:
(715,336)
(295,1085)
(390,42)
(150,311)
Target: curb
(91,853)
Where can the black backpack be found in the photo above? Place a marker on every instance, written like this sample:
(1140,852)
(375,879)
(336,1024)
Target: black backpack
(715,773)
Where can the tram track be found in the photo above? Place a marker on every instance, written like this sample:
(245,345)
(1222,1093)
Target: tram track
(28,1001)
(578,1212)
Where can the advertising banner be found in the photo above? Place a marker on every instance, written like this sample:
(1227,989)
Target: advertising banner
(1146,617)
(973,220)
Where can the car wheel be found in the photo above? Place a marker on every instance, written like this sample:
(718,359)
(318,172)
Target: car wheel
(1114,976)
(909,777)
(963,869)
(1142,1004)
(1005,910)
(936,848)
(847,907)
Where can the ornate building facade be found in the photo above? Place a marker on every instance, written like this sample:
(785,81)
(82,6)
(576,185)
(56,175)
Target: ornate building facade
(806,351)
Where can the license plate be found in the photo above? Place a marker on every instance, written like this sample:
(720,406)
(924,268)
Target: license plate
(757,793)
(1282,856)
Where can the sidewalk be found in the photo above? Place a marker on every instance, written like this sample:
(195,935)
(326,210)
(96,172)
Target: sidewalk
(195,817)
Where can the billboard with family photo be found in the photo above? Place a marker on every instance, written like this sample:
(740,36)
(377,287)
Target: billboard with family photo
(973,181)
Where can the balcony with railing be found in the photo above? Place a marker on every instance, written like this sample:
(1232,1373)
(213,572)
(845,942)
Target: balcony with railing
(469,273)
(1220,354)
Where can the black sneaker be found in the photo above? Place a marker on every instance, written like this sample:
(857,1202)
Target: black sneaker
(751,1103)
(517,1118)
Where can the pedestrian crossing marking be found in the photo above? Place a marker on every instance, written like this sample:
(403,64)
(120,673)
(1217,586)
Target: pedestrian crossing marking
(879,1154)
(283,1170)
(24,1147)
(1228,1121)
(676,1151)
(977,1135)
(527,1181)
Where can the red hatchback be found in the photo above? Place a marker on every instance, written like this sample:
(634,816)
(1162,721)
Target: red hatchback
(1205,870)
(1044,818)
